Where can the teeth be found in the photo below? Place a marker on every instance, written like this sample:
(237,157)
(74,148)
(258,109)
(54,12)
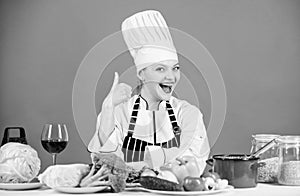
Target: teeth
(168,85)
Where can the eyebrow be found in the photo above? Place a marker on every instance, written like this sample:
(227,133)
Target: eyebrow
(160,64)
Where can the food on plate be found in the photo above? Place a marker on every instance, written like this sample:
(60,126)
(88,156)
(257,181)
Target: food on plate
(149,172)
(159,180)
(221,184)
(193,184)
(209,184)
(178,176)
(213,181)
(19,163)
(133,175)
(110,170)
(204,184)
(183,167)
(167,175)
(213,175)
(107,170)
(106,167)
(68,175)
(155,183)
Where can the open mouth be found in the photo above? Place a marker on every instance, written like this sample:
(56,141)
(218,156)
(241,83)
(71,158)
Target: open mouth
(166,88)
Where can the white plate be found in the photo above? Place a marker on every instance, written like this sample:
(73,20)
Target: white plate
(133,187)
(135,184)
(228,188)
(93,189)
(20,186)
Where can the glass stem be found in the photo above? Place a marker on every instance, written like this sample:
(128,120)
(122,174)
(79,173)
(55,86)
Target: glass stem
(54,159)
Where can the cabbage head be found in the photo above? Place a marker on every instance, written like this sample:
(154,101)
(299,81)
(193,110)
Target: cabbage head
(18,163)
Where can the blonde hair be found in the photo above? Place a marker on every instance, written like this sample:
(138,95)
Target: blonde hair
(138,88)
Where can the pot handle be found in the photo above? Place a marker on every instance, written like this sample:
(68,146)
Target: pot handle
(210,162)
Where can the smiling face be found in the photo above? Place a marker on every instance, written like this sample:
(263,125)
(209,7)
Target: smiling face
(160,80)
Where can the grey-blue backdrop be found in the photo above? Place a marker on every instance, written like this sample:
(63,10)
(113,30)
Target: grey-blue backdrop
(256,45)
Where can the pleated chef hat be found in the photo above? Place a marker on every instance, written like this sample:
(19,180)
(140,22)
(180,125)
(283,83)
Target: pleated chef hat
(148,39)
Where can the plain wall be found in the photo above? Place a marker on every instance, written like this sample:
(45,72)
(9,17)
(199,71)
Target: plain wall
(256,45)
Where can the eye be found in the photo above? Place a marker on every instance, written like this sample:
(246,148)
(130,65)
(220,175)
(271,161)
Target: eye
(161,69)
(177,68)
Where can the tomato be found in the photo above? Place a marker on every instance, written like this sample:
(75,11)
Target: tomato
(193,184)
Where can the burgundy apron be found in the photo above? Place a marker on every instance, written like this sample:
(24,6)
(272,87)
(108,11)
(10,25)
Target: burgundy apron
(133,148)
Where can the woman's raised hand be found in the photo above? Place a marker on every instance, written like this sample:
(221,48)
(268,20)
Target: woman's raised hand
(119,93)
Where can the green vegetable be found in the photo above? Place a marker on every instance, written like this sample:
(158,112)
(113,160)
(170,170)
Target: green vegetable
(107,166)
(19,163)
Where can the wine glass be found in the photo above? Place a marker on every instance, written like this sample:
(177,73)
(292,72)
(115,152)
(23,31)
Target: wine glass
(54,139)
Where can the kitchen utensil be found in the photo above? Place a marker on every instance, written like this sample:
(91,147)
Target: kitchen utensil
(8,135)
(240,172)
(263,149)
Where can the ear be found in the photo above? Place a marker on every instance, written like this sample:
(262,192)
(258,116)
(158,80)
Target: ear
(141,75)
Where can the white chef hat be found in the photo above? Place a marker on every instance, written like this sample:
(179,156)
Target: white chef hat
(148,39)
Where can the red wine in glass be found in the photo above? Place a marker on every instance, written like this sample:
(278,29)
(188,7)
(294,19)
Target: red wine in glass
(54,145)
(54,139)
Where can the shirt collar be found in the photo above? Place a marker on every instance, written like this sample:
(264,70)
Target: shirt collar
(144,104)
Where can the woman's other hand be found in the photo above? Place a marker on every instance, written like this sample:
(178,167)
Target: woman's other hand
(119,93)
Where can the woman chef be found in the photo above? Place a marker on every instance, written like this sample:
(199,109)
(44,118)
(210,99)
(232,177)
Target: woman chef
(152,127)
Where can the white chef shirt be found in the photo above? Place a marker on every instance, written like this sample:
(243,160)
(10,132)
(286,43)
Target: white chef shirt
(193,140)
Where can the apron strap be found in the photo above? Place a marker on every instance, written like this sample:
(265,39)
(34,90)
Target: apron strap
(176,128)
(133,117)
